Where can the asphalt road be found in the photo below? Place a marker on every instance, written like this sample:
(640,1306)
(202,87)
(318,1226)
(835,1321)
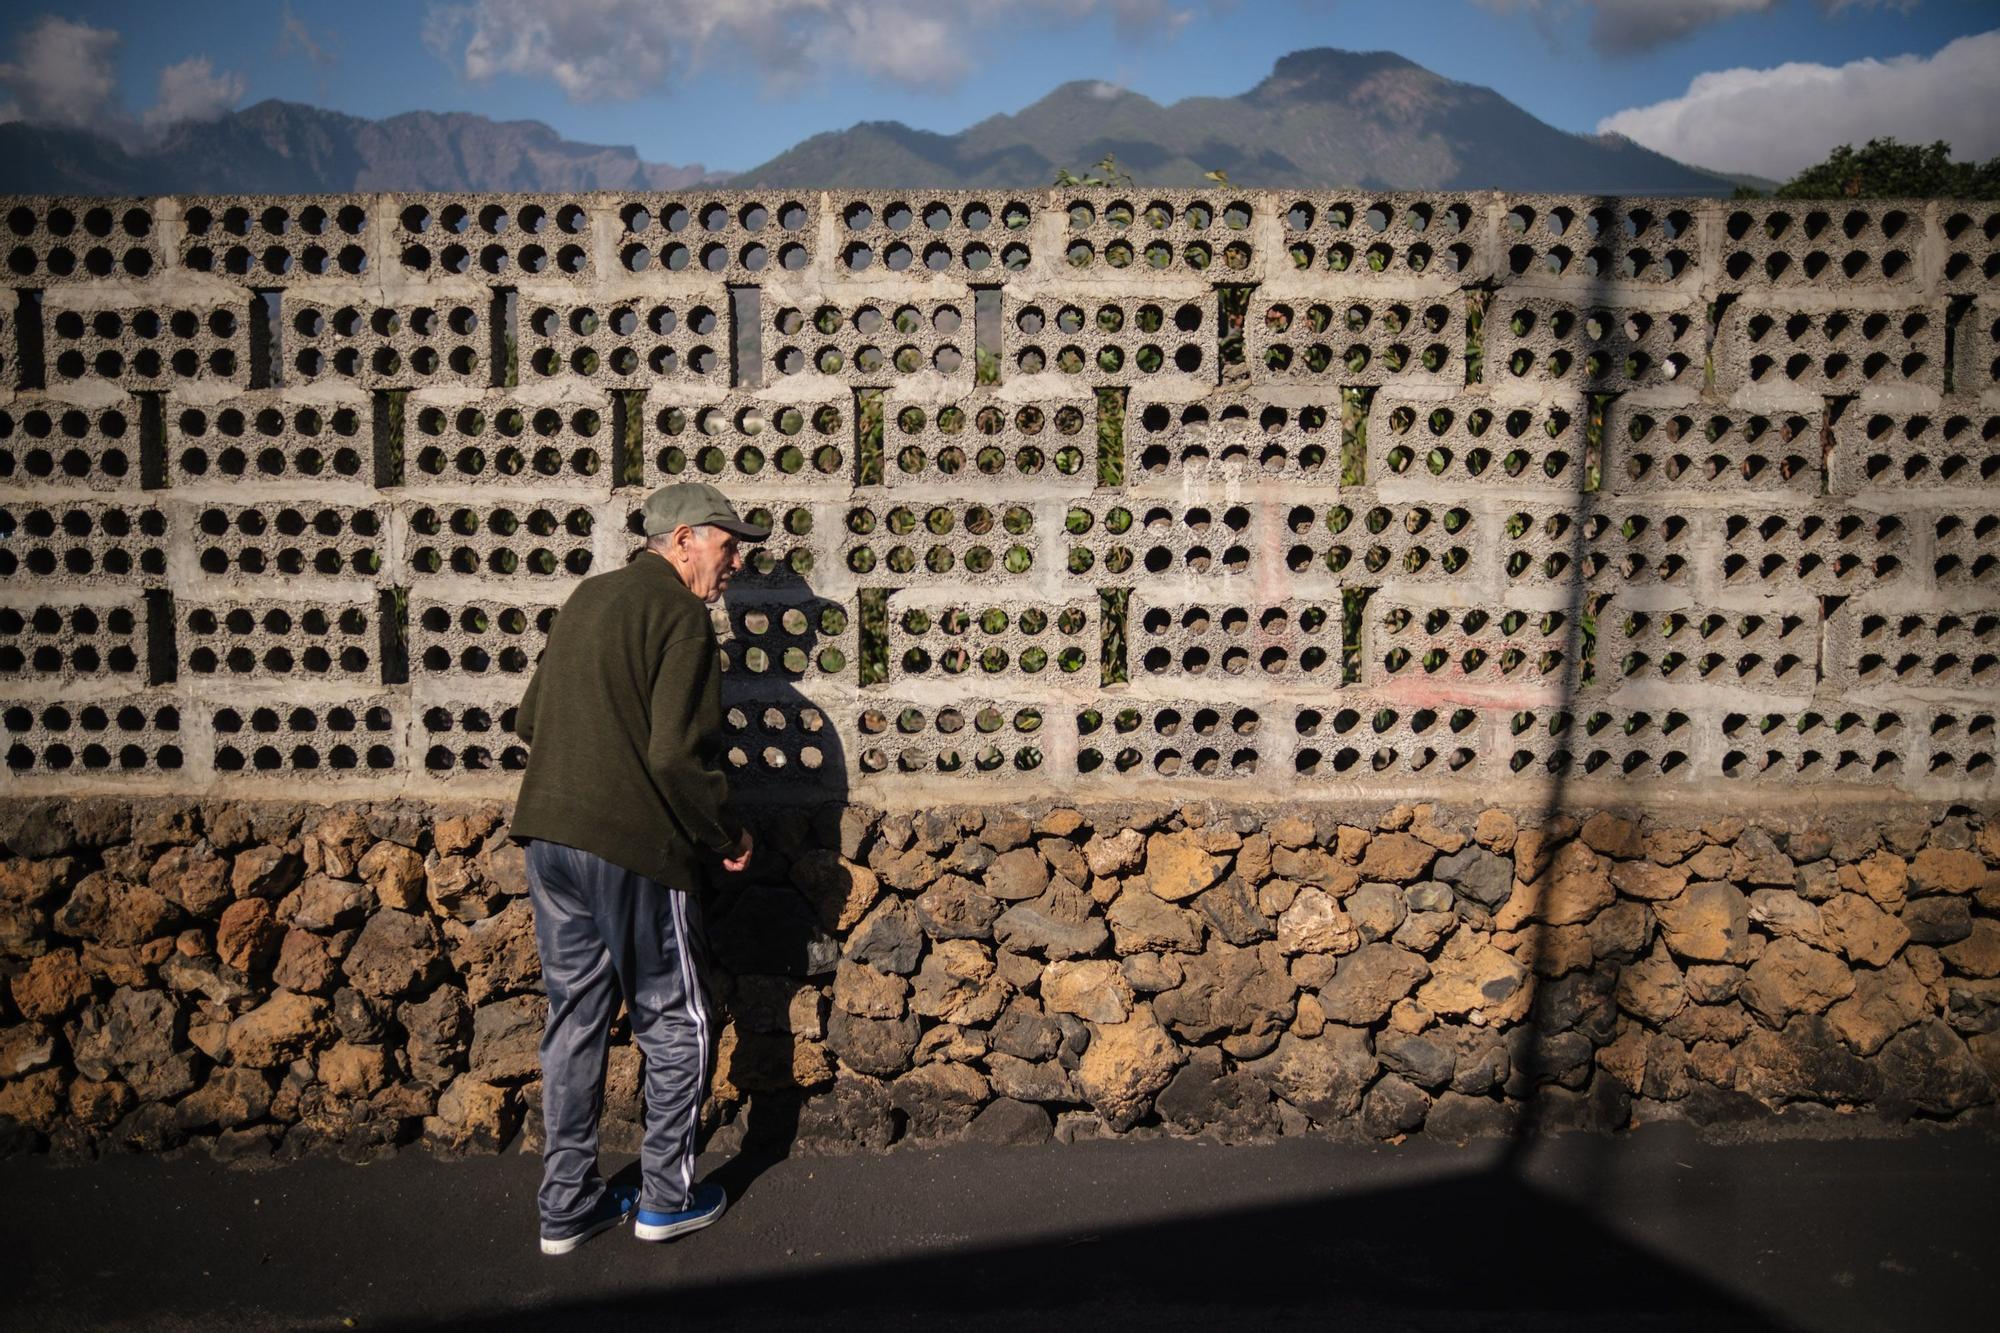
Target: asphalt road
(1651,1230)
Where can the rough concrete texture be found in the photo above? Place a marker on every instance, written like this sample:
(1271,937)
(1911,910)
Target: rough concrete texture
(1517,498)
(258,978)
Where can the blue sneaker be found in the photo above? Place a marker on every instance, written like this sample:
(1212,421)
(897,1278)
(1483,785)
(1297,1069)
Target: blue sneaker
(709,1201)
(613,1207)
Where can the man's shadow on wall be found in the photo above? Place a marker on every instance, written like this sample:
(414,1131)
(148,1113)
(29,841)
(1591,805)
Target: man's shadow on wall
(771,935)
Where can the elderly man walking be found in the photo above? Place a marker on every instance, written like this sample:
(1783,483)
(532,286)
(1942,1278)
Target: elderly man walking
(622,809)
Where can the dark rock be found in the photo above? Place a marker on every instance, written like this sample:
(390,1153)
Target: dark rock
(354,1014)
(1806,1061)
(1231,908)
(437,1031)
(1039,927)
(1366,984)
(112,911)
(1478,874)
(1424,1059)
(43,830)
(955,908)
(854,1116)
(889,938)
(1928,1068)
(1245,993)
(230,1098)
(395,953)
(1323,1076)
(939,1099)
(881,1047)
(265,872)
(1235,1107)
(1393,1106)
(506,1035)
(1009,1123)
(1025,1032)
(1937,920)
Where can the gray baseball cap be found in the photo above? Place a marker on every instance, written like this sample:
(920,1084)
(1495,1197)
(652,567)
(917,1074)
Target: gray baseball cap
(695,503)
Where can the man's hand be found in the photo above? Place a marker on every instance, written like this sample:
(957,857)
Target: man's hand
(741,860)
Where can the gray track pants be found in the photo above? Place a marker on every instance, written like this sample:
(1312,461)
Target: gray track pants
(604,931)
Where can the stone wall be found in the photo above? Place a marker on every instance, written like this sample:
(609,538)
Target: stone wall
(272,977)
(1295,514)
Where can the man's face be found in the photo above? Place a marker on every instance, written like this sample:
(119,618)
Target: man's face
(712,557)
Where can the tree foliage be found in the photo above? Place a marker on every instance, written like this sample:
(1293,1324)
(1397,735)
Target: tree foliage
(1886,169)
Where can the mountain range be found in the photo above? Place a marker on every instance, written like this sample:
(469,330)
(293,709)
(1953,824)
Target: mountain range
(1321,118)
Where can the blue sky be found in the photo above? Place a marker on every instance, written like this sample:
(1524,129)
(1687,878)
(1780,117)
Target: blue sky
(729,83)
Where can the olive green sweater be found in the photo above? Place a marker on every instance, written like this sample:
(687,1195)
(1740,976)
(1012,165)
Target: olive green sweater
(624,715)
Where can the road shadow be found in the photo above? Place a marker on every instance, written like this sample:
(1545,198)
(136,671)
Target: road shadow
(1481,1250)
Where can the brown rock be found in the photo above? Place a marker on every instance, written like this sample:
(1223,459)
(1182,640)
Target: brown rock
(230,1097)
(453,888)
(1710,863)
(304,965)
(473,1117)
(1143,922)
(53,985)
(461,833)
(1612,835)
(248,936)
(1939,870)
(1794,978)
(1293,831)
(1575,888)
(1119,854)
(1494,830)
(956,908)
(1653,988)
(35,1101)
(496,956)
(195,877)
(863,991)
(1060,823)
(1710,923)
(1667,845)
(1017,875)
(351,1072)
(1349,843)
(115,912)
(1396,858)
(1253,859)
(1864,932)
(396,874)
(326,904)
(1782,912)
(1242,996)
(1648,881)
(1093,990)
(957,984)
(1314,923)
(394,953)
(1369,982)
(1472,977)
(1178,867)
(278,1031)
(265,872)
(1883,1004)
(1124,1066)
(337,841)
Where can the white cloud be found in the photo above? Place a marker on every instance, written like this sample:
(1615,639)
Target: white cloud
(294,35)
(617,50)
(1775,122)
(1624,27)
(61,73)
(192,90)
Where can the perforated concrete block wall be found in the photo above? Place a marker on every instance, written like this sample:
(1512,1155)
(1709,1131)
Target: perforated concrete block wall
(1235,492)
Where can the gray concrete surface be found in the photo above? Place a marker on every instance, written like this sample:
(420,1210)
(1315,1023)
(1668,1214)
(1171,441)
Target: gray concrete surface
(1652,1230)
